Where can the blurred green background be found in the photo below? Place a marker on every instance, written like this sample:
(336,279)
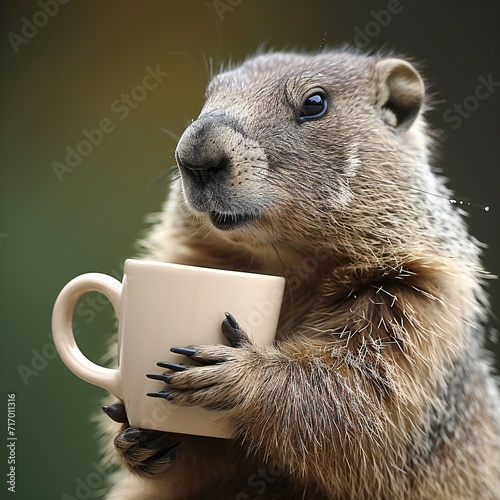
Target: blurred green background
(65,71)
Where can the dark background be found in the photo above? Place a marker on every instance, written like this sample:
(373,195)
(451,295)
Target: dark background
(64,78)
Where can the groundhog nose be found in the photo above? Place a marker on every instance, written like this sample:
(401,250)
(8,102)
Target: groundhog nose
(198,155)
(202,169)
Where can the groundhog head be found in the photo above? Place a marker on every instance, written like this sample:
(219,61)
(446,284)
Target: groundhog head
(292,143)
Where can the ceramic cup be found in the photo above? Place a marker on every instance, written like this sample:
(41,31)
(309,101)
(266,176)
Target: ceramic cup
(160,306)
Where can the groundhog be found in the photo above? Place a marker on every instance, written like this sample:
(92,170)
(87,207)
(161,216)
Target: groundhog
(318,168)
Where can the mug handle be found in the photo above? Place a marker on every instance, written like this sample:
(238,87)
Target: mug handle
(62,329)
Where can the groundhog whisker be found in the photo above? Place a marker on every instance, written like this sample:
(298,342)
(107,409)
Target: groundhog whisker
(453,200)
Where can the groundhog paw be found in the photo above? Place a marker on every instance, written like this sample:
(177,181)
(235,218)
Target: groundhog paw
(214,384)
(147,452)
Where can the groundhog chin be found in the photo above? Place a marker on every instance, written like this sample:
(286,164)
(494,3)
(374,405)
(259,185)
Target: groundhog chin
(221,213)
(231,221)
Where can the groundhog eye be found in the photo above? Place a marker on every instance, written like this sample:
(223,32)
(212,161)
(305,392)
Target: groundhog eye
(314,107)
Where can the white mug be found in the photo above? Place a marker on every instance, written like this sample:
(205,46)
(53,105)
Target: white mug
(160,306)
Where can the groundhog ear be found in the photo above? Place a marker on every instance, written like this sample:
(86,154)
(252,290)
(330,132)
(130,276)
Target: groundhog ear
(400,93)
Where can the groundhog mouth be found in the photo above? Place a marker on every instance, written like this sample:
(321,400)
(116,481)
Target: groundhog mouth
(227,222)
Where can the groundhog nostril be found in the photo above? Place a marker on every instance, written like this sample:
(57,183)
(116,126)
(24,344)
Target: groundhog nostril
(205,169)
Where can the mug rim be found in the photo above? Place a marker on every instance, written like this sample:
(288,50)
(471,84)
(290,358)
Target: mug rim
(135,263)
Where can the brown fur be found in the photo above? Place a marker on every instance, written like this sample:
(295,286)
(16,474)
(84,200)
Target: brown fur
(377,386)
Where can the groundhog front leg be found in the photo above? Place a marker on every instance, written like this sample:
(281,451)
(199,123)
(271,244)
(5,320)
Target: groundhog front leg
(307,405)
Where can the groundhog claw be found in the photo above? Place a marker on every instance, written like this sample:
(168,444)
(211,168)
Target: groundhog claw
(233,332)
(143,437)
(162,394)
(153,443)
(116,412)
(161,377)
(186,351)
(131,434)
(171,366)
